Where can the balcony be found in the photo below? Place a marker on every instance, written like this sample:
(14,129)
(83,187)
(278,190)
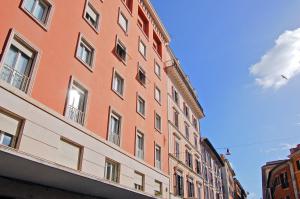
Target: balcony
(14,78)
(75,115)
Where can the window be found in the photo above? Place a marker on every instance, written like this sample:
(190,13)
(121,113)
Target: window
(177,149)
(18,65)
(92,16)
(157,44)
(121,51)
(175,96)
(139,145)
(196,141)
(141,76)
(39,9)
(141,106)
(76,105)
(142,48)
(191,187)
(186,110)
(157,188)
(123,22)
(112,169)
(143,22)
(115,128)
(157,69)
(199,188)
(118,84)
(9,129)
(85,52)
(157,95)
(298,164)
(188,159)
(284,180)
(198,166)
(128,4)
(157,157)
(179,186)
(157,122)
(139,180)
(195,123)
(69,154)
(187,131)
(176,118)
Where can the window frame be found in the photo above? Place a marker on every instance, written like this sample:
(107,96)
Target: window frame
(141,70)
(116,73)
(139,97)
(47,17)
(97,28)
(123,46)
(116,114)
(159,91)
(140,134)
(19,38)
(80,154)
(143,181)
(141,42)
(158,164)
(155,123)
(159,74)
(126,29)
(87,44)
(115,163)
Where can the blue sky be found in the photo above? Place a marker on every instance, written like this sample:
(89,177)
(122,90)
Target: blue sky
(248,107)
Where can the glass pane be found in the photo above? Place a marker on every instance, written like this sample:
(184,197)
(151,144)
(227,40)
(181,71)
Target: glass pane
(22,64)
(7,140)
(39,11)
(74,98)
(108,171)
(10,59)
(28,4)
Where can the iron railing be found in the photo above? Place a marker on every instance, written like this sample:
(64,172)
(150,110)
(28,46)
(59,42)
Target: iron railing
(75,115)
(114,138)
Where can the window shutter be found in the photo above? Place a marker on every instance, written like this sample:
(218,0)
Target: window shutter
(92,13)
(22,48)
(8,124)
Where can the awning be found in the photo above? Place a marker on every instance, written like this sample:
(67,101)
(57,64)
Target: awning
(16,165)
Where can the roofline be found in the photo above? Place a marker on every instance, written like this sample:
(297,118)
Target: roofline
(273,169)
(157,20)
(178,67)
(206,140)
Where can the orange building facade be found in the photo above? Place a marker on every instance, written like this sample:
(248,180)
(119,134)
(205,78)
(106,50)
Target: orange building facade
(281,178)
(84,97)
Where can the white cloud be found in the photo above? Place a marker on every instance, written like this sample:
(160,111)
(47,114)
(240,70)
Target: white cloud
(252,196)
(281,147)
(282,59)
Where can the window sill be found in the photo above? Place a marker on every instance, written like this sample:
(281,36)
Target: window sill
(118,94)
(90,68)
(120,59)
(143,116)
(145,35)
(144,56)
(125,32)
(158,130)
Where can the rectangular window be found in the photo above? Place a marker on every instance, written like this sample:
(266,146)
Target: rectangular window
(177,149)
(176,118)
(9,129)
(76,105)
(298,164)
(18,65)
(69,154)
(175,95)
(142,48)
(158,188)
(198,167)
(191,187)
(188,159)
(195,141)
(139,180)
(179,186)
(123,22)
(92,16)
(157,122)
(112,171)
(187,131)
(157,95)
(139,145)
(141,106)
(157,157)
(129,4)
(195,123)
(143,22)
(114,128)
(121,50)
(199,188)
(186,110)
(157,69)
(118,84)
(157,44)
(85,52)
(39,9)
(141,76)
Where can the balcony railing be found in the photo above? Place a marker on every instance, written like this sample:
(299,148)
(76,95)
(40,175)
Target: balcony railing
(140,153)
(75,115)
(14,78)
(114,138)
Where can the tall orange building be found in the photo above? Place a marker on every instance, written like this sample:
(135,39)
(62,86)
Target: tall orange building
(281,178)
(83,106)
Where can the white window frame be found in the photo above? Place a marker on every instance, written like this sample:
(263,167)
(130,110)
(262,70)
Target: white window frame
(117,75)
(157,94)
(140,153)
(122,45)
(157,73)
(90,7)
(158,162)
(87,45)
(122,16)
(140,187)
(158,128)
(112,135)
(142,44)
(139,100)
(116,171)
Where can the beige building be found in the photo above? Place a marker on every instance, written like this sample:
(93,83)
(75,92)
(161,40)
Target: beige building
(184,112)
